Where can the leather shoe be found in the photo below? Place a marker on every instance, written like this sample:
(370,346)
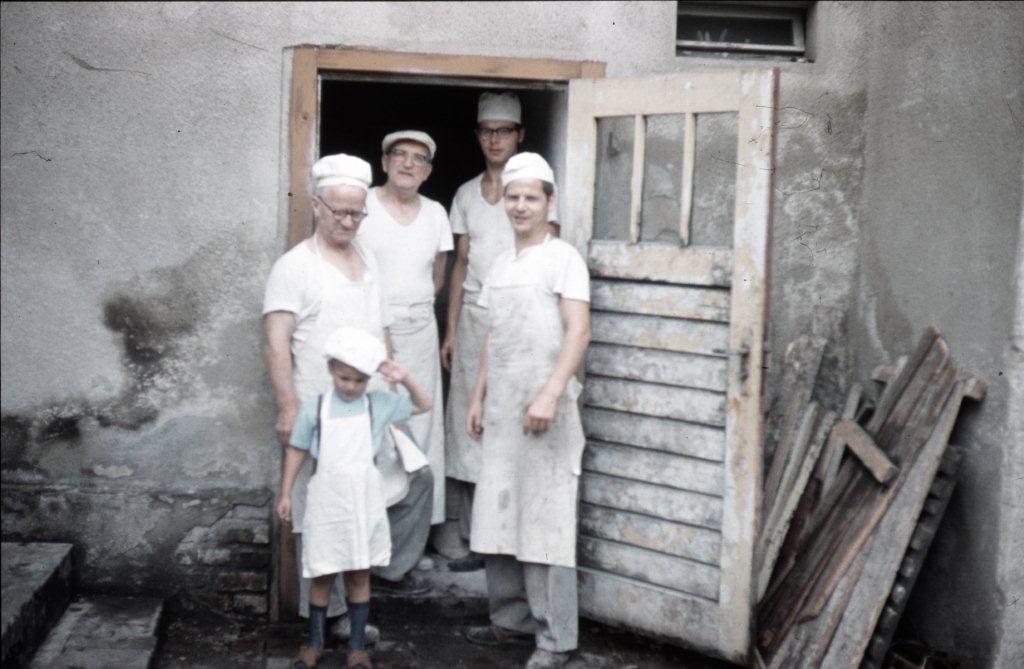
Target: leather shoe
(409,586)
(492,635)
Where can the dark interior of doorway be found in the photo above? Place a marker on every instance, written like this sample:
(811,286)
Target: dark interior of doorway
(355,115)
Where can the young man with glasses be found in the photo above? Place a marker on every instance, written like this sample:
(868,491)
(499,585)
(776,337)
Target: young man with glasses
(478,217)
(411,236)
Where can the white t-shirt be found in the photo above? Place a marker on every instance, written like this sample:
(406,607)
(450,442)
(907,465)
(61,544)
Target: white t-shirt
(554,265)
(488,227)
(406,252)
(294,285)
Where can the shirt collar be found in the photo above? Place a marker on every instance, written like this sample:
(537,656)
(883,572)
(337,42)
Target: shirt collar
(517,255)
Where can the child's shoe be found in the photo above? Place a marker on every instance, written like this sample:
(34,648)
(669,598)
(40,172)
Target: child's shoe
(307,658)
(358,659)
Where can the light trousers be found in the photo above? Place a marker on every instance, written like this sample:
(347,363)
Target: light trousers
(533,598)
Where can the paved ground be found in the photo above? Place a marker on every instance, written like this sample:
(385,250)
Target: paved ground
(421,633)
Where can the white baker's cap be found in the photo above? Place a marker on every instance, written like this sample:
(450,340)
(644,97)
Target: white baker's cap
(499,107)
(527,166)
(342,170)
(356,348)
(411,136)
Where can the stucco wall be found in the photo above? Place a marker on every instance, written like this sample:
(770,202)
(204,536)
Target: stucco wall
(143,154)
(939,240)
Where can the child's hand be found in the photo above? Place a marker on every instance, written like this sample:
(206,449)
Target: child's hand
(392,371)
(284,509)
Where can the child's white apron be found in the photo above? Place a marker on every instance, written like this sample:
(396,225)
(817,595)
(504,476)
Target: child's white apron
(346,522)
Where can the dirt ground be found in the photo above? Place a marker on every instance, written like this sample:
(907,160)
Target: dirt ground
(425,633)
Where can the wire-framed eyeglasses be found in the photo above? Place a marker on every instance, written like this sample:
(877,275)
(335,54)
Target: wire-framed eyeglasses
(504,132)
(357,216)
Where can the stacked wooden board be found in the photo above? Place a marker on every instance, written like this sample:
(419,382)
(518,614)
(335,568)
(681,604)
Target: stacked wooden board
(843,495)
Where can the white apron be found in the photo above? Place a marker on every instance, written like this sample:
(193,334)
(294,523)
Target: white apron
(525,502)
(340,303)
(414,338)
(462,453)
(346,523)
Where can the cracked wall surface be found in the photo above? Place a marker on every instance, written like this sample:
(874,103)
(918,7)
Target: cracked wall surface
(144,158)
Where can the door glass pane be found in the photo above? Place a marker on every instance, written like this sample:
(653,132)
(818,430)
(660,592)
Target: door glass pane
(714,179)
(614,170)
(663,174)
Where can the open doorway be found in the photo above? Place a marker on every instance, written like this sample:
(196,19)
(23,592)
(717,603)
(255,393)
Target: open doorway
(356,112)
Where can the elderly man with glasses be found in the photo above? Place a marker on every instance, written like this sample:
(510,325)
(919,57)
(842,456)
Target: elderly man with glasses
(325,282)
(410,235)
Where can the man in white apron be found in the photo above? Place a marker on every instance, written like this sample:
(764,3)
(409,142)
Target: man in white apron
(323,283)
(524,408)
(478,218)
(411,237)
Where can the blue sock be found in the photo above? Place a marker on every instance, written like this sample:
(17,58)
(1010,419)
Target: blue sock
(317,625)
(358,614)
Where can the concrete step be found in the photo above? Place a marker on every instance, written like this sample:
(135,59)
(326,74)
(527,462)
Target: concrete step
(103,632)
(36,588)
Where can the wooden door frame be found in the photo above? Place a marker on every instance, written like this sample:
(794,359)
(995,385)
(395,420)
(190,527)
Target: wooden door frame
(308,62)
(303,116)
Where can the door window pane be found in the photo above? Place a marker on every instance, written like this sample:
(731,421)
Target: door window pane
(714,179)
(614,170)
(663,174)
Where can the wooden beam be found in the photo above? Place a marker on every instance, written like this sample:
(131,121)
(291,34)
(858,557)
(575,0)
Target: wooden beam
(848,434)
(435,64)
(302,122)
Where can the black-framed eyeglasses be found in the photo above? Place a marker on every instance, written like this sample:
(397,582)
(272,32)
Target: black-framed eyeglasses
(342,214)
(417,158)
(503,132)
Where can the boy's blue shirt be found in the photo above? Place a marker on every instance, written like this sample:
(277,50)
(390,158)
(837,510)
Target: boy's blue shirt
(387,408)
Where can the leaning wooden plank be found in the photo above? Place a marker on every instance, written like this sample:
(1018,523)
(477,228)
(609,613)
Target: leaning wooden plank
(689,404)
(686,576)
(657,611)
(667,334)
(832,456)
(666,367)
(667,469)
(664,434)
(800,366)
(783,454)
(778,522)
(895,387)
(704,304)
(653,500)
(696,543)
(697,266)
(891,540)
(789,457)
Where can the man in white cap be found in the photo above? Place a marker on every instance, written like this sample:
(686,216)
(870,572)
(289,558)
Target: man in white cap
(411,236)
(325,282)
(478,218)
(537,297)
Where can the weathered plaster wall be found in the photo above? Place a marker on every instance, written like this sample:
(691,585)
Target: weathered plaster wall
(939,242)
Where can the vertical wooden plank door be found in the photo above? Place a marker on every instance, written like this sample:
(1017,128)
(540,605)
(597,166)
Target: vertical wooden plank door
(668,196)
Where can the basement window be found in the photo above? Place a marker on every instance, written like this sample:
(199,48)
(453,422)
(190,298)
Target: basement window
(752,29)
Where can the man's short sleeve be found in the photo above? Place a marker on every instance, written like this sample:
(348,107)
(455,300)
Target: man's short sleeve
(445,241)
(304,430)
(570,278)
(284,287)
(458,215)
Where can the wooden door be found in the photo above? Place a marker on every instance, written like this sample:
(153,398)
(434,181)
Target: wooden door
(668,196)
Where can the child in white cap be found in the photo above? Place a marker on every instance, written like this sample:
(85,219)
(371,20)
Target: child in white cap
(346,525)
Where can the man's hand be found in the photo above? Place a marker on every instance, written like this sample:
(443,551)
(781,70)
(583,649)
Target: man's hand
(284,508)
(286,416)
(475,419)
(446,352)
(540,414)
